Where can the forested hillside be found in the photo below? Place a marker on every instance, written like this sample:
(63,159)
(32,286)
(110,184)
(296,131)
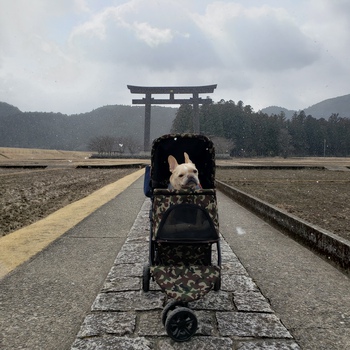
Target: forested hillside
(237,129)
(259,134)
(75,132)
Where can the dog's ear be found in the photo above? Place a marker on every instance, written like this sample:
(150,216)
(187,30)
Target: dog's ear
(187,158)
(172,163)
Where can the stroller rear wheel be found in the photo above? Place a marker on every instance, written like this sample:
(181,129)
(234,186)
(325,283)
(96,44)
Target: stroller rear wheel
(181,324)
(217,284)
(146,277)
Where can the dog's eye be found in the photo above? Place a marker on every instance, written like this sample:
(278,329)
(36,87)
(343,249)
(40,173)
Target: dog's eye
(195,171)
(181,175)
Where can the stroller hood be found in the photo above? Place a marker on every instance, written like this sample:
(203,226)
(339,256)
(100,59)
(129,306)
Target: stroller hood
(199,148)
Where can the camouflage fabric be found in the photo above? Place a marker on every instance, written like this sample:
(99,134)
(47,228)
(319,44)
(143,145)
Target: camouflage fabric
(177,254)
(163,199)
(186,283)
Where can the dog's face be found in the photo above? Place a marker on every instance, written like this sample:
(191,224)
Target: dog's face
(183,175)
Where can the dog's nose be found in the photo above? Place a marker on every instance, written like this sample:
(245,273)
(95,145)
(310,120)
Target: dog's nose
(191,179)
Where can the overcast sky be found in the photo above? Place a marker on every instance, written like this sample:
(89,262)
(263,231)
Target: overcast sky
(72,56)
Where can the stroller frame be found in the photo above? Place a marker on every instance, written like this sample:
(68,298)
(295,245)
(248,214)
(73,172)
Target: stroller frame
(184,227)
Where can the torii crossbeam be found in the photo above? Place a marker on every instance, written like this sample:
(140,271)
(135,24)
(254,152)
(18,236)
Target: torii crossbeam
(148,100)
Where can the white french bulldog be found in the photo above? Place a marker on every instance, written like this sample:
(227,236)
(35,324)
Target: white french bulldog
(183,176)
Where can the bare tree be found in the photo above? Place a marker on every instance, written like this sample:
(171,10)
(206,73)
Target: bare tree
(222,145)
(102,144)
(129,143)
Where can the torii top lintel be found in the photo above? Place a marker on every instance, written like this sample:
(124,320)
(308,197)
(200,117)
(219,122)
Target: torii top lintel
(171,90)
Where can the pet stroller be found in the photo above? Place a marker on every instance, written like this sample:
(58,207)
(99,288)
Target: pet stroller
(184,232)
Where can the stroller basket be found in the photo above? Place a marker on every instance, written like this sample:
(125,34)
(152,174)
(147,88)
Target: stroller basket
(185,216)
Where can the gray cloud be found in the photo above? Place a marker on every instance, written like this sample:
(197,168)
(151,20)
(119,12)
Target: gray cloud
(273,44)
(73,56)
(123,37)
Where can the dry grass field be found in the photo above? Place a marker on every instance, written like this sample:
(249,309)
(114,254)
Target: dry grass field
(321,197)
(54,158)
(29,155)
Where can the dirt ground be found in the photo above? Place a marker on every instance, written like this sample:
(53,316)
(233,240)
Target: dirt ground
(30,195)
(321,197)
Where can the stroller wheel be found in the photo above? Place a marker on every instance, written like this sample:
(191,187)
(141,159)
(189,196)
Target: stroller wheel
(181,324)
(146,277)
(172,305)
(217,284)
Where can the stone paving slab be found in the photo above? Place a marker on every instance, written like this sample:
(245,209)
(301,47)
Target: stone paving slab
(124,317)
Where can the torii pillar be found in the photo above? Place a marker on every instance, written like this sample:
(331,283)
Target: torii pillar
(148,100)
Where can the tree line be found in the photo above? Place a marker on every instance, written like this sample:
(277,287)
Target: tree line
(252,134)
(107,146)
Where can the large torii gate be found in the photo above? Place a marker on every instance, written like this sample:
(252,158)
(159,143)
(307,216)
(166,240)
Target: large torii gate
(148,100)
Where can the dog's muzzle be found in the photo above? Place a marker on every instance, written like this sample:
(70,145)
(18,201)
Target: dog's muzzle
(191,181)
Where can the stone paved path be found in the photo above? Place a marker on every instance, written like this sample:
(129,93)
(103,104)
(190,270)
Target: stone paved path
(124,317)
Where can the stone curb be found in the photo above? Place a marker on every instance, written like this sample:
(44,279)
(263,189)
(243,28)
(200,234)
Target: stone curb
(83,166)
(269,167)
(124,317)
(330,246)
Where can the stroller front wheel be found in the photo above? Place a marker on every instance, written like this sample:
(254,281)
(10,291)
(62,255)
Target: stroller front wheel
(181,324)
(172,305)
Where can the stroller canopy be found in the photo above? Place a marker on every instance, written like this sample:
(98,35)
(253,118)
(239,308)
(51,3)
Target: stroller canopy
(199,148)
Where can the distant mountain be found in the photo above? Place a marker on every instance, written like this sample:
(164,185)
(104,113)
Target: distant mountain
(324,109)
(74,132)
(7,109)
(277,110)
